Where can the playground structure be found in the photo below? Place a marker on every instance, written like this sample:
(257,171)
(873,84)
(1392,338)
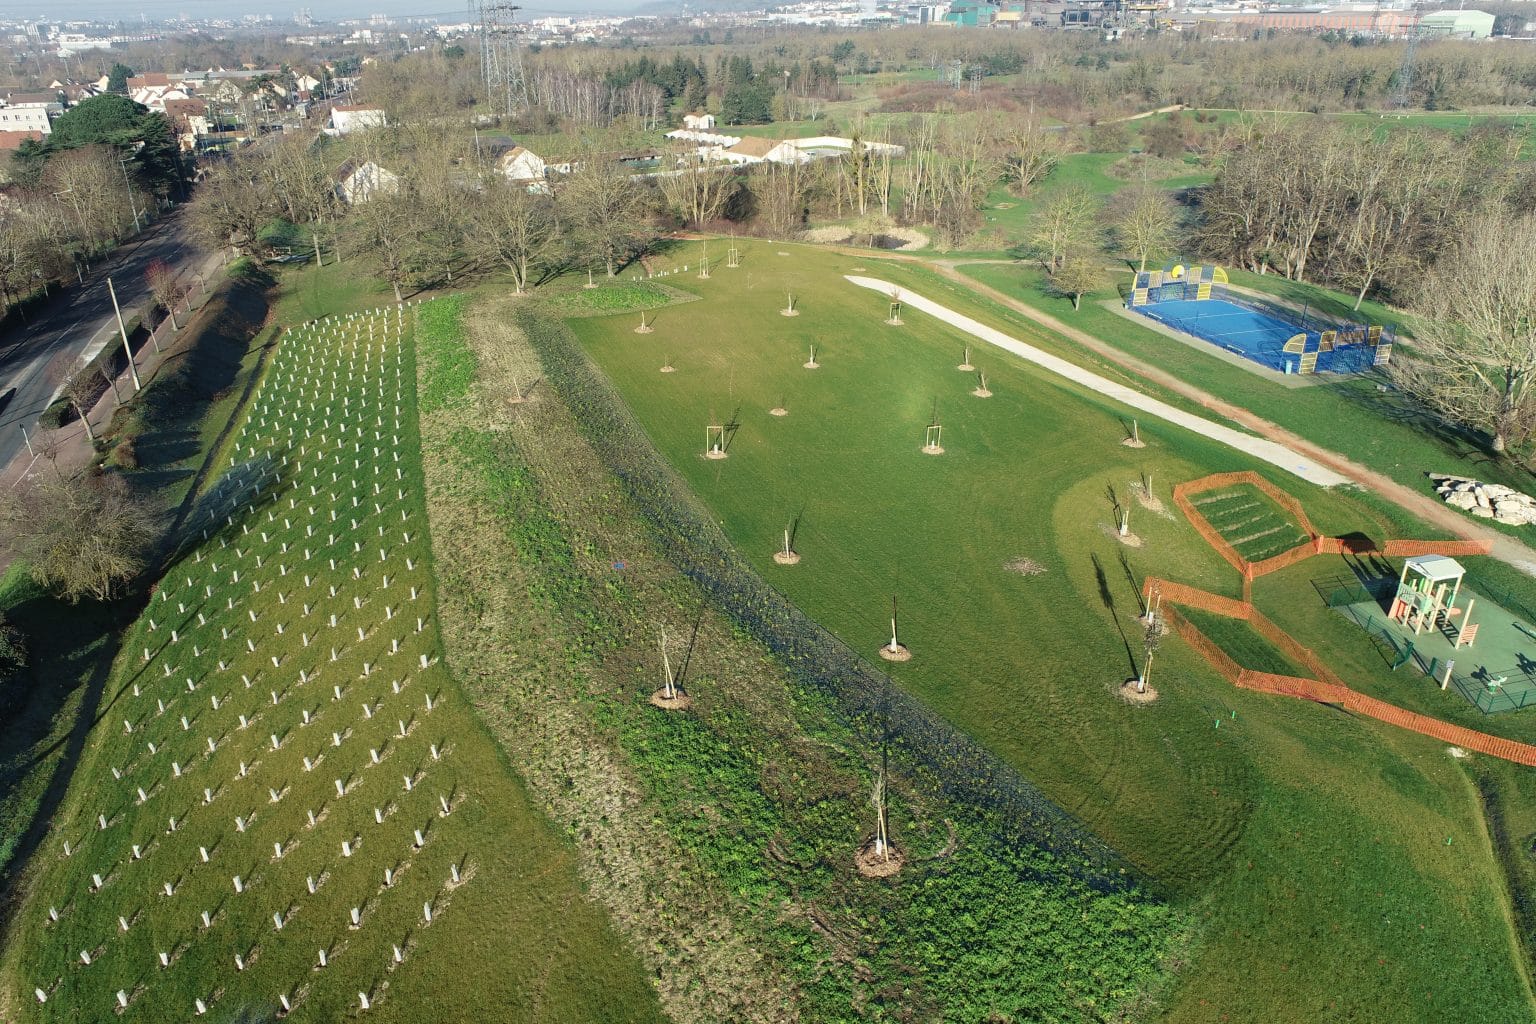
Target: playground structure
(1321,686)
(1421,600)
(1195,300)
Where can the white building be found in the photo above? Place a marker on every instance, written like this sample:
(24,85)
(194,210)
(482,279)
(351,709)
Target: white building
(25,117)
(520,164)
(699,122)
(360,182)
(755,150)
(348,119)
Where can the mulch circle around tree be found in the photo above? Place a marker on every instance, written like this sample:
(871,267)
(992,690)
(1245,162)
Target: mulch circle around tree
(874,865)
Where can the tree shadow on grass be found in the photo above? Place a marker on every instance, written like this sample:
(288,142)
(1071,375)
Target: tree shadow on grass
(1107,598)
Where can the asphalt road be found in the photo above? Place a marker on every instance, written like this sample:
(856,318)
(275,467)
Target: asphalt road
(37,356)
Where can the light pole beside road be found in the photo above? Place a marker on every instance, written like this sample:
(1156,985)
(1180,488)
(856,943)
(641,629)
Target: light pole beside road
(132,370)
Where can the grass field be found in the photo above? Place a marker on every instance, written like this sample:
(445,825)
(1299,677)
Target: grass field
(1382,919)
(280,750)
(742,815)
(1250,521)
(1242,643)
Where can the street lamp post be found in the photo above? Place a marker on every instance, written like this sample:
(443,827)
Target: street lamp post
(128,184)
(133,371)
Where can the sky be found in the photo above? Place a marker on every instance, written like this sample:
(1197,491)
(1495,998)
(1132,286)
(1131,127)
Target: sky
(324,10)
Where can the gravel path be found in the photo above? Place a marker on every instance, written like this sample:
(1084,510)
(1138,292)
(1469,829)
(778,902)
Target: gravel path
(1269,451)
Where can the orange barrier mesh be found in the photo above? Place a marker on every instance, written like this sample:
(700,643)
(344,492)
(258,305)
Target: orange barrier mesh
(1409,548)
(1315,545)
(1194,597)
(1191,635)
(1250,570)
(1327,688)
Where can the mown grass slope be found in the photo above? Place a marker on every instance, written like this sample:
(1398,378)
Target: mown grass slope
(1341,825)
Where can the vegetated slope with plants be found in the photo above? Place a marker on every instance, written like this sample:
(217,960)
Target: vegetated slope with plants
(1340,824)
(286,802)
(733,824)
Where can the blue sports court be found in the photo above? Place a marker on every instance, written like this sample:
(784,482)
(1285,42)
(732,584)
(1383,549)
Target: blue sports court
(1262,337)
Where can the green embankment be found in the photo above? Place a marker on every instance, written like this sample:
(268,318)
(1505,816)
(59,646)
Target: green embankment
(1273,808)
(287,667)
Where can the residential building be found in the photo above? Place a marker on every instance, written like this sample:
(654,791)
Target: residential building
(346,119)
(359,182)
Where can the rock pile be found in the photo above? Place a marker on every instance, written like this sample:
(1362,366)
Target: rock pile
(1486,501)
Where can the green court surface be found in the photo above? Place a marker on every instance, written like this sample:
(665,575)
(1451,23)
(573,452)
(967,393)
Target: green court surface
(1496,672)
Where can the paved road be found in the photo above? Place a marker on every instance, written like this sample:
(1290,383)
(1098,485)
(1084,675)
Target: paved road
(1270,451)
(37,356)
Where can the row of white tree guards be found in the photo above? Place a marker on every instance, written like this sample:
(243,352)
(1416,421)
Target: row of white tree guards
(286,647)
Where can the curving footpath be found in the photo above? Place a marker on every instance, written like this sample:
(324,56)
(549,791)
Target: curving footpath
(1260,448)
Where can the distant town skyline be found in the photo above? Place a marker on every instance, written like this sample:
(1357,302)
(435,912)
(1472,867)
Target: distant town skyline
(135,11)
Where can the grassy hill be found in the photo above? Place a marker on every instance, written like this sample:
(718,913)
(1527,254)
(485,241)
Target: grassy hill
(286,802)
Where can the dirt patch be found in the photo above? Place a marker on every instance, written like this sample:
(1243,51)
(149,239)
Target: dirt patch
(1149,501)
(1129,693)
(900,653)
(1130,540)
(891,239)
(1024,566)
(872,864)
(679,701)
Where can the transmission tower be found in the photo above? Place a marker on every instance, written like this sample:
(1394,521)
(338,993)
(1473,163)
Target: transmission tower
(501,56)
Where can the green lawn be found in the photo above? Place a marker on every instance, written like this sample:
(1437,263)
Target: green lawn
(1242,643)
(1272,809)
(1250,521)
(287,666)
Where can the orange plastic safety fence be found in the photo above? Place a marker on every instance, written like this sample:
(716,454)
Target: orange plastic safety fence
(1194,597)
(1327,688)
(1409,548)
(1218,658)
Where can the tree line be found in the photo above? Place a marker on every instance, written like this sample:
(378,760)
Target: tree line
(108,164)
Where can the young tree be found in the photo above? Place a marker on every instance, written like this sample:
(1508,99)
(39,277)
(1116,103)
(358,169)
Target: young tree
(1474,336)
(166,288)
(1145,221)
(1078,273)
(84,537)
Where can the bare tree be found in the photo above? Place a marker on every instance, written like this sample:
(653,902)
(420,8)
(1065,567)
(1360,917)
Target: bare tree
(782,191)
(81,392)
(1031,152)
(231,205)
(1474,336)
(512,227)
(1145,221)
(1078,273)
(607,207)
(697,191)
(1064,221)
(84,537)
(166,288)
(388,230)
